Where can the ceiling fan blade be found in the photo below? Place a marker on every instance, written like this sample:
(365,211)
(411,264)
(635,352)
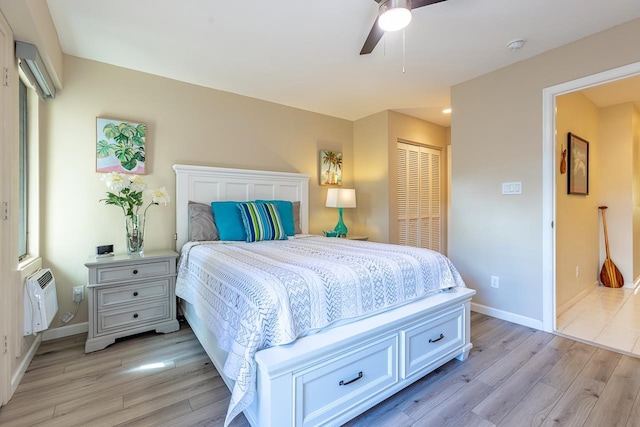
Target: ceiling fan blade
(376,32)
(373,38)
(419,3)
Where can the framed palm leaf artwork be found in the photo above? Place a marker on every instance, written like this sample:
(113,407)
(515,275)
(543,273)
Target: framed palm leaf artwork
(330,167)
(120,146)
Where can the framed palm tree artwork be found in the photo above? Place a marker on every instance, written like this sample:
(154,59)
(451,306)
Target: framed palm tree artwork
(330,167)
(120,146)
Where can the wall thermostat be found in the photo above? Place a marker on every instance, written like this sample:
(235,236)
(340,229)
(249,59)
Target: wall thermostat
(104,250)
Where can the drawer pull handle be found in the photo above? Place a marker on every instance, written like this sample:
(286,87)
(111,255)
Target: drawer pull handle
(135,316)
(135,294)
(437,339)
(135,271)
(343,382)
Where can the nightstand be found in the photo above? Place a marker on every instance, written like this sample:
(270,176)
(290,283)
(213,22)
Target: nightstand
(130,294)
(354,237)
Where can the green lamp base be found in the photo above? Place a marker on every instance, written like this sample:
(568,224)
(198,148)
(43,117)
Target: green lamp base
(340,228)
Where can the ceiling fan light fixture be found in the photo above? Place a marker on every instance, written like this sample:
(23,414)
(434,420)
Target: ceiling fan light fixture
(394,15)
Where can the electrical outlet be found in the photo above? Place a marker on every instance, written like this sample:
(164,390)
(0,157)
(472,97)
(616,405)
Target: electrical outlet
(495,282)
(78,293)
(577,271)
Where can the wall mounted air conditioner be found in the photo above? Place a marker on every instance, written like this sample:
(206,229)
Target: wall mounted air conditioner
(33,67)
(40,301)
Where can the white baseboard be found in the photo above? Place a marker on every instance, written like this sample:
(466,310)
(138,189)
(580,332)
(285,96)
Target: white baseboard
(508,316)
(17,376)
(65,331)
(567,305)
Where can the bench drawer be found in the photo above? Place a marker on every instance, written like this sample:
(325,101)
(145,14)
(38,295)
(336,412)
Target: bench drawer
(326,390)
(426,342)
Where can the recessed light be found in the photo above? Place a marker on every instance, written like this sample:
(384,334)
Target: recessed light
(447,111)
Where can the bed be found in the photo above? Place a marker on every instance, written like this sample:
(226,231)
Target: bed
(313,372)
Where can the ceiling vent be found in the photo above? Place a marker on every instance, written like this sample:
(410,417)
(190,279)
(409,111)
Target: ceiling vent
(33,67)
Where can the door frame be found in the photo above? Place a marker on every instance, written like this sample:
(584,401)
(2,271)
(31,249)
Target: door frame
(7,273)
(549,178)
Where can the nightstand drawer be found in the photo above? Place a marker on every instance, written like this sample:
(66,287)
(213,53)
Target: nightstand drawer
(134,271)
(136,293)
(110,320)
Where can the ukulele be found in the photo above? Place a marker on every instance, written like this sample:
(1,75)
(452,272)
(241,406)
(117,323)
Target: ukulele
(563,162)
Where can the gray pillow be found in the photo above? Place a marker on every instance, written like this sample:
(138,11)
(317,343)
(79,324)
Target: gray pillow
(296,218)
(201,222)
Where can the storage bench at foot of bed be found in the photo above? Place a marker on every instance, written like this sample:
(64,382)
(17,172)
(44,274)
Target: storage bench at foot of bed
(356,366)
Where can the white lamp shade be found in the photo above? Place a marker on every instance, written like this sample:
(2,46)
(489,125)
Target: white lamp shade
(394,15)
(341,198)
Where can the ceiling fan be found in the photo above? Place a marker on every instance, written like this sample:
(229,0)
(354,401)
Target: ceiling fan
(393,15)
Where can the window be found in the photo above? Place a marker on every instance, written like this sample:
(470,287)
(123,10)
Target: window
(23,173)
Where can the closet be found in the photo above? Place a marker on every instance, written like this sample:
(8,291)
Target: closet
(419,196)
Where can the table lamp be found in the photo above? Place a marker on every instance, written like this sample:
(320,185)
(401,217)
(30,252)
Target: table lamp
(341,198)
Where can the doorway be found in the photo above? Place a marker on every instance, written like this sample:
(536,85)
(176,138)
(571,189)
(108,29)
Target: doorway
(550,176)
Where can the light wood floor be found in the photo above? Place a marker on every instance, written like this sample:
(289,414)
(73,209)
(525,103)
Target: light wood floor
(515,376)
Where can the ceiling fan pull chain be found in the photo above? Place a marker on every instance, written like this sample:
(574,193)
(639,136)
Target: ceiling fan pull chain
(403,70)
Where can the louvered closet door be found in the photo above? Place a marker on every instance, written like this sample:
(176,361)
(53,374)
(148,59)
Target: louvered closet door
(418,192)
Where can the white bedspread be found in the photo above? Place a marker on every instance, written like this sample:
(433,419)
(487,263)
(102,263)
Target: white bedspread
(257,295)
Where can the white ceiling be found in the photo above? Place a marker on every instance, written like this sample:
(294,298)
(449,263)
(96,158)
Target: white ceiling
(305,53)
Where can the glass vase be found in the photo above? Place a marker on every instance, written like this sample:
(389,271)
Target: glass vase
(134,225)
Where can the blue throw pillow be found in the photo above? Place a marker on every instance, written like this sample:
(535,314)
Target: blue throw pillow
(285,209)
(261,221)
(228,220)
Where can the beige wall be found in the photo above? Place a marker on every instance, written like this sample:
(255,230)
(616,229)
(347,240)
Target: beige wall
(497,137)
(375,143)
(577,217)
(616,177)
(371,165)
(635,119)
(186,124)
(409,129)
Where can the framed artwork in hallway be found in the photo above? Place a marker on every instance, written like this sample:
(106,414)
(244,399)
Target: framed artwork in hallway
(578,156)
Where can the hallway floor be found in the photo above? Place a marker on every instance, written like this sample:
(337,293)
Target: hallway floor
(606,316)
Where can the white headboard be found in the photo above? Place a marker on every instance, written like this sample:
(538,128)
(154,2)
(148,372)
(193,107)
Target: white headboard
(206,184)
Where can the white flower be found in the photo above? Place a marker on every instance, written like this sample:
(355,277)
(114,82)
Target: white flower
(161,195)
(126,192)
(115,181)
(137,183)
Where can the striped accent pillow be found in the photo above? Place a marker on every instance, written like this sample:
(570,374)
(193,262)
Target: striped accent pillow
(261,221)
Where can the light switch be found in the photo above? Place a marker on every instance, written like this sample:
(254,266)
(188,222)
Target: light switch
(512,187)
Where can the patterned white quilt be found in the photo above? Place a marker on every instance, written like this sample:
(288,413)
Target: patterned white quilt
(257,295)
